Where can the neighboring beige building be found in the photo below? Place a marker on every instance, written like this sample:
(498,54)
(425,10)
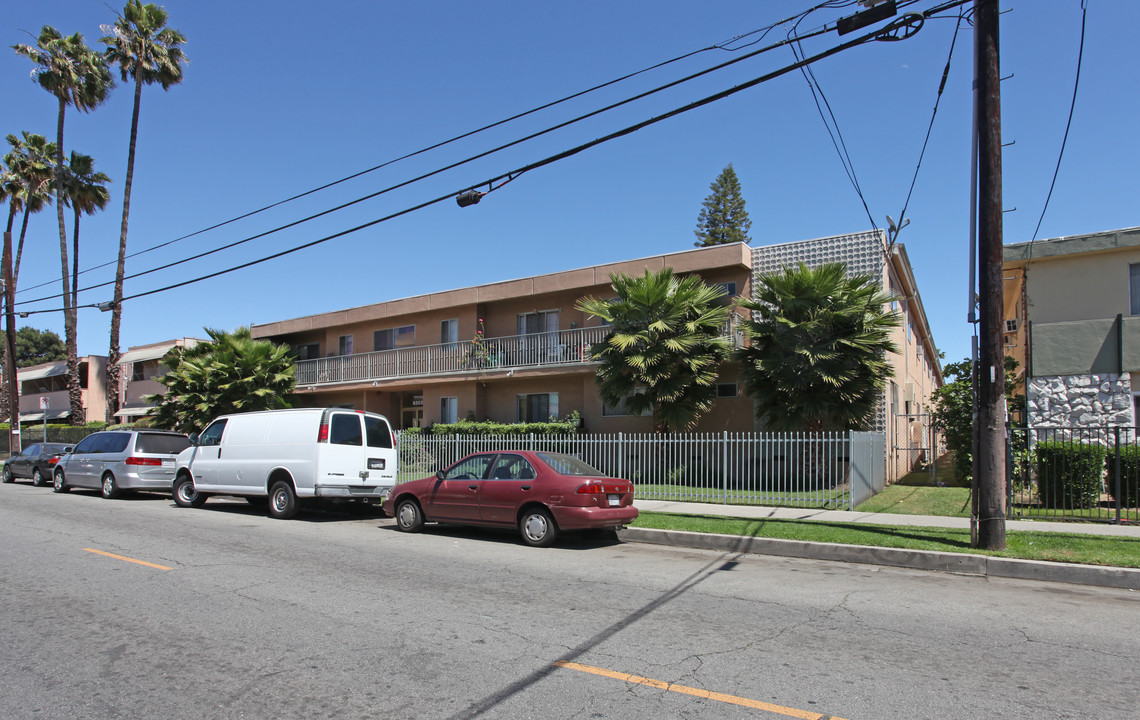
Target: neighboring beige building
(515,350)
(48,383)
(1072,321)
(140,367)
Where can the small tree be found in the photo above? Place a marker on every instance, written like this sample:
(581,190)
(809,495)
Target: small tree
(664,351)
(723,218)
(954,412)
(231,373)
(817,357)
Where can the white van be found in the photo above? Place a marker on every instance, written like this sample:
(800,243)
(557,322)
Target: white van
(286,455)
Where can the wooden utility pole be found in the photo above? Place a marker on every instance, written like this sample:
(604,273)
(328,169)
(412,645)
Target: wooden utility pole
(990,398)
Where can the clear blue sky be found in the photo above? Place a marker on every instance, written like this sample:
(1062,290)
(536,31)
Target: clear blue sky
(282,97)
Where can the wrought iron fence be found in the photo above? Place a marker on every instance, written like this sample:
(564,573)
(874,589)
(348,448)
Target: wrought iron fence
(1086,474)
(822,470)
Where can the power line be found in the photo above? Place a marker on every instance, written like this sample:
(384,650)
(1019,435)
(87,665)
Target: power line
(717,46)
(881,34)
(451,166)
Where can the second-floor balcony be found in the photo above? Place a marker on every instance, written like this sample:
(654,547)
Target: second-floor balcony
(514,352)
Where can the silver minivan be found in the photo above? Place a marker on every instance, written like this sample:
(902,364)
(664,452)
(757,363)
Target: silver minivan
(117,461)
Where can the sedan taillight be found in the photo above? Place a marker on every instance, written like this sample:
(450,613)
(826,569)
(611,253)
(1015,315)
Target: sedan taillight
(53,461)
(602,489)
(143,461)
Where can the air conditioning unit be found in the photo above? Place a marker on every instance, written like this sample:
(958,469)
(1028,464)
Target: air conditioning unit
(1011,325)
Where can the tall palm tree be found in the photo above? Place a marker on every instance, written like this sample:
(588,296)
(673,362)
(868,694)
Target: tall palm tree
(10,191)
(78,76)
(817,356)
(85,193)
(666,346)
(32,159)
(148,52)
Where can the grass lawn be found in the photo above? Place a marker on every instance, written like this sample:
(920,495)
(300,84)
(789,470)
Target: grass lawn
(919,500)
(1058,547)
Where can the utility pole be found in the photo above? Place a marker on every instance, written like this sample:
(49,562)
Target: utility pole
(10,340)
(990,398)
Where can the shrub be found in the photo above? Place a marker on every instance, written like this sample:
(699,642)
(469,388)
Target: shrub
(1069,474)
(566,426)
(1129,476)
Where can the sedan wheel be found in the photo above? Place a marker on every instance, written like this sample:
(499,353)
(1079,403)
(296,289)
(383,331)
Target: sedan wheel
(59,484)
(8,474)
(537,528)
(409,516)
(38,478)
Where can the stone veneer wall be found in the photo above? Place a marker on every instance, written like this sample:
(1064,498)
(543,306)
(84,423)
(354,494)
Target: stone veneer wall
(864,254)
(1079,401)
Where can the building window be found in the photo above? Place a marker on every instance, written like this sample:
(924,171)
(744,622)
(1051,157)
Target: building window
(448,331)
(448,409)
(394,338)
(538,407)
(538,322)
(308,351)
(620,409)
(1134,287)
(344,345)
(726,390)
(138,372)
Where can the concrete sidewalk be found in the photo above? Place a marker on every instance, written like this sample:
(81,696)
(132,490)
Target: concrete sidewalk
(962,563)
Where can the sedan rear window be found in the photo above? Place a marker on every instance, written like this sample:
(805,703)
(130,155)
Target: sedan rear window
(161,443)
(568,465)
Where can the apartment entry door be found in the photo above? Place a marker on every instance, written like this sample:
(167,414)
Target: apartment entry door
(412,418)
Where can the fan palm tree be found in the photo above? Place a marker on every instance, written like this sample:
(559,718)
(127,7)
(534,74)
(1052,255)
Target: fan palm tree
(666,347)
(148,52)
(816,360)
(85,193)
(32,160)
(78,76)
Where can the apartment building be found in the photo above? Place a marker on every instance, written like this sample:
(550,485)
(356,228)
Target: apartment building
(1072,321)
(46,385)
(516,350)
(140,368)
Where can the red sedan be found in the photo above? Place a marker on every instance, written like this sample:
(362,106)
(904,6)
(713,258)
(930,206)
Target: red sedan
(540,493)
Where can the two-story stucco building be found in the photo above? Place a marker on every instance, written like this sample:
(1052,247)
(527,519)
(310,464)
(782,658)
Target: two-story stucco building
(516,350)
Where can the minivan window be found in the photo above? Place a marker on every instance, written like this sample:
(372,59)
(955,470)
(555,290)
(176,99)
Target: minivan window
(113,442)
(161,443)
(86,444)
(345,430)
(213,434)
(379,434)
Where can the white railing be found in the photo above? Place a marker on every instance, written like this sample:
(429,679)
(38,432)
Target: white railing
(812,470)
(562,347)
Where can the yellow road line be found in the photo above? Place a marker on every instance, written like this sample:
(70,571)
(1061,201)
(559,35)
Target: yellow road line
(697,692)
(127,559)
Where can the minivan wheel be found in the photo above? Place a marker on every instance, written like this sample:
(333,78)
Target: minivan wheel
(38,478)
(537,528)
(185,494)
(282,501)
(110,488)
(58,483)
(409,516)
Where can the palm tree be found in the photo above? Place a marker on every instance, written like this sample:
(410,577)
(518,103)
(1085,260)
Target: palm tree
(666,347)
(76,75)
(85,193)
(32,159)
(817,356)
(149,52)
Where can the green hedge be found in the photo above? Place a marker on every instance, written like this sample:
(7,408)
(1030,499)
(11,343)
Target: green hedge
(568,425)
(1129,476)
(1069,475)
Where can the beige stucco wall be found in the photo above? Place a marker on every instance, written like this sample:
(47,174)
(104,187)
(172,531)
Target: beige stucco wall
(1079,287)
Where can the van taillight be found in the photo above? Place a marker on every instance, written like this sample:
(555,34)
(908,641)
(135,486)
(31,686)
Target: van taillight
(143,461)
(323,433)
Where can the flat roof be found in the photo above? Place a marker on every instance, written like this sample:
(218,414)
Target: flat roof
(1108,240)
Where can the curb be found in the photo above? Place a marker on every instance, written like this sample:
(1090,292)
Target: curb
(959,563)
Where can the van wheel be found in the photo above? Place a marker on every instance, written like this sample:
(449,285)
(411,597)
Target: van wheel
(537,528)
(185,494)
(282,501)
(409,516)
(58,483)
(110,487)
(38,478)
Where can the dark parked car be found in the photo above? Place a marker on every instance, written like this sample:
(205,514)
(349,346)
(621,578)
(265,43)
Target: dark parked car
(539,493)
(115,461)
(36,462)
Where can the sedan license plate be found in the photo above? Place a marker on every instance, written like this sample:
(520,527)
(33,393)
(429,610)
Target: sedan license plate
(614,500)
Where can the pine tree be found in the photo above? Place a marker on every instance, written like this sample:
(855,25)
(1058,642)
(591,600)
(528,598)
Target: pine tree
(723,218)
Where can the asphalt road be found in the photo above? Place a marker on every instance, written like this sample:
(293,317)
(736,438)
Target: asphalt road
(340,616)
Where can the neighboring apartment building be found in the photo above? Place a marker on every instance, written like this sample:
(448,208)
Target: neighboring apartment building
(140,367)
(516,350)
(1072,321)
(48,383)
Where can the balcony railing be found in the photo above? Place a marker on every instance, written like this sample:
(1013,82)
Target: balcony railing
(562,347)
